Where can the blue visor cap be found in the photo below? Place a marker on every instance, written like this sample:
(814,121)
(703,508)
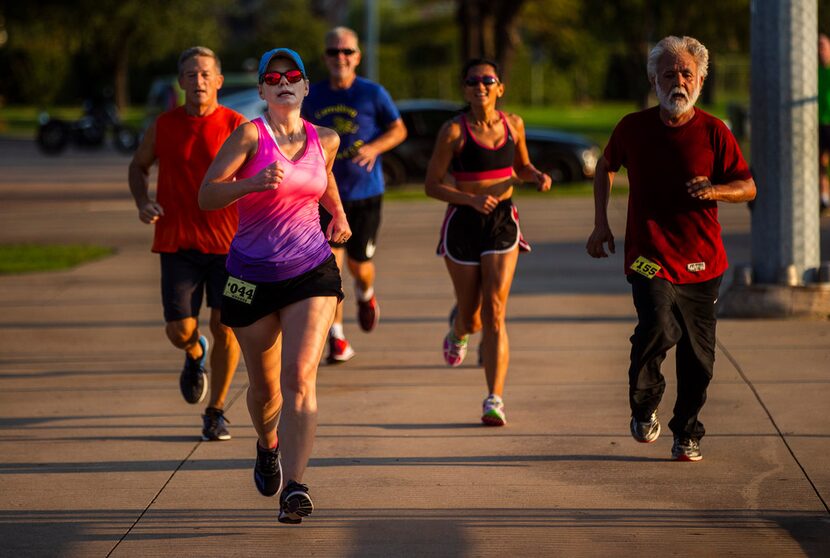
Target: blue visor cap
(280,53)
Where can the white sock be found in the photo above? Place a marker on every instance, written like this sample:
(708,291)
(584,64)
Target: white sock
(364,296)
(336,331)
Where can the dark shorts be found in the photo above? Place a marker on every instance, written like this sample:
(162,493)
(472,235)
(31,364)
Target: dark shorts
(466,234)
(245,302)
(823,138)
(364,220)
(185,276)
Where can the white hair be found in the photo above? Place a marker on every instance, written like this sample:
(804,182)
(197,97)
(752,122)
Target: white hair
(676,46)
(341,31)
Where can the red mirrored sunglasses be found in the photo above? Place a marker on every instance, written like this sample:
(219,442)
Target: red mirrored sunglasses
(273,78)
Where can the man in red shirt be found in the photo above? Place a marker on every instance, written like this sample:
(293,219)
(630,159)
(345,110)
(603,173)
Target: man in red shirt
(192,243)
(681,161)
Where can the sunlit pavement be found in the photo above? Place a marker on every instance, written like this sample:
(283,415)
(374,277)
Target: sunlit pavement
(100,456)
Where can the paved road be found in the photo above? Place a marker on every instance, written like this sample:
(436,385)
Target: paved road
(99,455)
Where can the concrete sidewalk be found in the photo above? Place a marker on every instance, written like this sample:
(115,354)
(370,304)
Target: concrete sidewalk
(100,456)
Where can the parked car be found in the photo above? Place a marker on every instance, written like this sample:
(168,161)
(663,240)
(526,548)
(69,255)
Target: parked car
(565,157)
(246,102)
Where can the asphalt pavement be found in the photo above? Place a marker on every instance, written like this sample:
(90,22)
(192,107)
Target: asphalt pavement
(100,456)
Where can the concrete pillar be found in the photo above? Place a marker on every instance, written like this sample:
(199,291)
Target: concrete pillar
(784,113)
(786,278)
(369,57)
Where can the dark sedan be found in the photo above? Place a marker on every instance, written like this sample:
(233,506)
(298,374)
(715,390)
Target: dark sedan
(565,157)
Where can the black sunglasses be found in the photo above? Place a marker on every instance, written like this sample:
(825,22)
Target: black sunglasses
(487,81)
(334,52)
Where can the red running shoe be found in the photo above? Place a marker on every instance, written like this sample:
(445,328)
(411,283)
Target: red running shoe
(368,314)
(339,351)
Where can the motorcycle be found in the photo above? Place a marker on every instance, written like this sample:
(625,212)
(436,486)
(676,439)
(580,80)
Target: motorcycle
(90,131)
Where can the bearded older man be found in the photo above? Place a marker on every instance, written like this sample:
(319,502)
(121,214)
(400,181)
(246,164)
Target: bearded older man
(681,161)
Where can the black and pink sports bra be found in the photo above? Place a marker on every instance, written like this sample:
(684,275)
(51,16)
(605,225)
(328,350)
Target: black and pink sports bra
(478,162)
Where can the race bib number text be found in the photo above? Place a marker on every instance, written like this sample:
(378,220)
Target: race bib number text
(645,267)
(240,290)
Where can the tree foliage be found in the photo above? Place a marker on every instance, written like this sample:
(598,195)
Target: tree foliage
(632,27)
(101,40)
(550,50)
(488,29)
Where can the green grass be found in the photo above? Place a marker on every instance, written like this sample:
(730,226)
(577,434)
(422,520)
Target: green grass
(594,120)
(26,258)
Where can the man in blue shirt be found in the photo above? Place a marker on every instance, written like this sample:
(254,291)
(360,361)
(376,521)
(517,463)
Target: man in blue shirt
(368,122)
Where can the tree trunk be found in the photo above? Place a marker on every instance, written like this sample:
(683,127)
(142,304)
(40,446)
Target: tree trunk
(488,30)
(121,81)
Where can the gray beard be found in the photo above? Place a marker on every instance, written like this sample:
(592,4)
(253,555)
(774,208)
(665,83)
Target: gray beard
(675,108)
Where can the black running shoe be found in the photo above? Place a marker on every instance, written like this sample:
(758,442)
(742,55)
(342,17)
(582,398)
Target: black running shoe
(193,380)
(267,470)
(214,425)
(686,449)
(645,431)
(295,503)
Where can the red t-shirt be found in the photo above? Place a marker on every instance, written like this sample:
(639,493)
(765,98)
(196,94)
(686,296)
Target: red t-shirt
(665,224)
(185,148)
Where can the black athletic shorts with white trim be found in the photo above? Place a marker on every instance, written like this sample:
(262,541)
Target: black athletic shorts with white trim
(364,220)
(186,276)
(245,302)
(466,234)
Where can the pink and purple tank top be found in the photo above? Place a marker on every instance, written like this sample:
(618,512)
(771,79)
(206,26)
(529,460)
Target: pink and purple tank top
(279,235)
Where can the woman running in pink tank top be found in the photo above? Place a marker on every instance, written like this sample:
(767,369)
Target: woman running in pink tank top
(284,284)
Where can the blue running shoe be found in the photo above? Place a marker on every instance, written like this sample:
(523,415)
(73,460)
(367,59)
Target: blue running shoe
(193,380)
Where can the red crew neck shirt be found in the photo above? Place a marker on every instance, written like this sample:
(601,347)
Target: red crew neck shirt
(185,148)
(665,224)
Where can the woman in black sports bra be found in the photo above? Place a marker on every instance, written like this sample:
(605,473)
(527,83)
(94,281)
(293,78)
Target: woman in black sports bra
(484,151)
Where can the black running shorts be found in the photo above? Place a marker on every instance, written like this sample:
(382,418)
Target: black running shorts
(364,220)
(245,302)
(466,234)
(185,276)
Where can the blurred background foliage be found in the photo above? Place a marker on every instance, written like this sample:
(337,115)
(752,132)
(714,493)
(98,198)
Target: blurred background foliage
(555,51)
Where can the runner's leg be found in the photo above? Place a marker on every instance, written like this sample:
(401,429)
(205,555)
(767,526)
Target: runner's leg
(497,272)
(466,280)
(305,328)
(260,345)
(224,358)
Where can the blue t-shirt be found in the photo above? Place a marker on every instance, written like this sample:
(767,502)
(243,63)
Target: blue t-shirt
(358,114)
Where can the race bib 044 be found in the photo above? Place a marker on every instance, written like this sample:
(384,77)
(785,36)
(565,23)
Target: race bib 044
(645,267)
(240,290)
